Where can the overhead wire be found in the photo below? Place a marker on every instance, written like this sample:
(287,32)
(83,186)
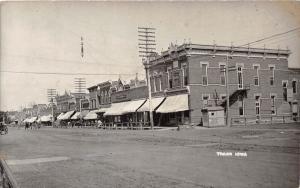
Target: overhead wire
(269,37)
(66,73)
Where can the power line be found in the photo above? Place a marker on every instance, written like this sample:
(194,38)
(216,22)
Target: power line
(67,61)
(272,36)
(65,73)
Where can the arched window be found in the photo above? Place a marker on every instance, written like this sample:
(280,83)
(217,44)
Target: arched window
(105,97)
(102,97)
(109,96)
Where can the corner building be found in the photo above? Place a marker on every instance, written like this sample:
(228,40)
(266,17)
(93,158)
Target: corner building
(259,80)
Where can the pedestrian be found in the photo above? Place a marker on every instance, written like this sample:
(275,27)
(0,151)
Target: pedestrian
(99,124)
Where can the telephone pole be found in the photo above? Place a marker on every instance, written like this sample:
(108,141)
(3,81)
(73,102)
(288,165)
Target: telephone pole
(51,94)
(80,85)
(147,47)
(227,92)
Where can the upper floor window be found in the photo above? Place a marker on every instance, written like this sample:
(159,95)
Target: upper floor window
(170,77)
(102,97)
(184,75)
(109,96)
(294,86)
(175,64)
(272,78)
(105,97)
(204,73)
(176,78)
(256,76)
(240,76)
(157,84)
(152,82)
(222,74)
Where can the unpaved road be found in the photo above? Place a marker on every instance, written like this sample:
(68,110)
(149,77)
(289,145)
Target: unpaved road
(52,157)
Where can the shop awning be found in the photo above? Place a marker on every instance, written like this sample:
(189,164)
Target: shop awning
(102,110)
(91,115)
(83,113)
(155,103)
(76,115)
(26,120)
(46,118)
(79,115)
(132,106)
(116,109)
(176,103)
(31,120)
(60,116)
(67,115)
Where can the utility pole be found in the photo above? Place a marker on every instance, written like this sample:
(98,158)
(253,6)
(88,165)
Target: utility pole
(51,94)
(81,49)
(147,47)
(227,70)
(227,92)
(80,87)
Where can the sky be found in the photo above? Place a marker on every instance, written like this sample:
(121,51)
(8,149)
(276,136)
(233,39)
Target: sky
(45,37)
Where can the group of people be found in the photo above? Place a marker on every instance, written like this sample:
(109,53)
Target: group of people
(3,128)
(33,125)
(79,123)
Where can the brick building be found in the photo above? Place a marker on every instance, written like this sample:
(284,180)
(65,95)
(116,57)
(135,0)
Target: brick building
(260,82)
(93,97)
(71,101)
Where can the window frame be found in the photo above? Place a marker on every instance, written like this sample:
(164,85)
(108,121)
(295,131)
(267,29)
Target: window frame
(222,73)
(242,106)
(284,92)
(170,79)
(256,77)
(204,76)
(259,104)
(184,74)
(294,87)
(241,65)
(272,78)
(273,103)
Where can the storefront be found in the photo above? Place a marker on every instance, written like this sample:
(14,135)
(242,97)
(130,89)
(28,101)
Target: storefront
(143,111)
(124,113)
(174,110)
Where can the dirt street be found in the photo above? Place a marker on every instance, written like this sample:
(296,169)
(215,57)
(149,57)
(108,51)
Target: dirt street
(238,157)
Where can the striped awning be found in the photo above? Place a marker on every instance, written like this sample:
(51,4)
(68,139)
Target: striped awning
(155,103)
(116,109)
(76,115)
(132,106)
(91,115)
(121,108)
(67,115)
(31,120)
(46,118)
(176,103)
(60,116)
(102,110)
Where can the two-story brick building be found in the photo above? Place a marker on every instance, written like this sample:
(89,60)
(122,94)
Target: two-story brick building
(192,77)
(93,97)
